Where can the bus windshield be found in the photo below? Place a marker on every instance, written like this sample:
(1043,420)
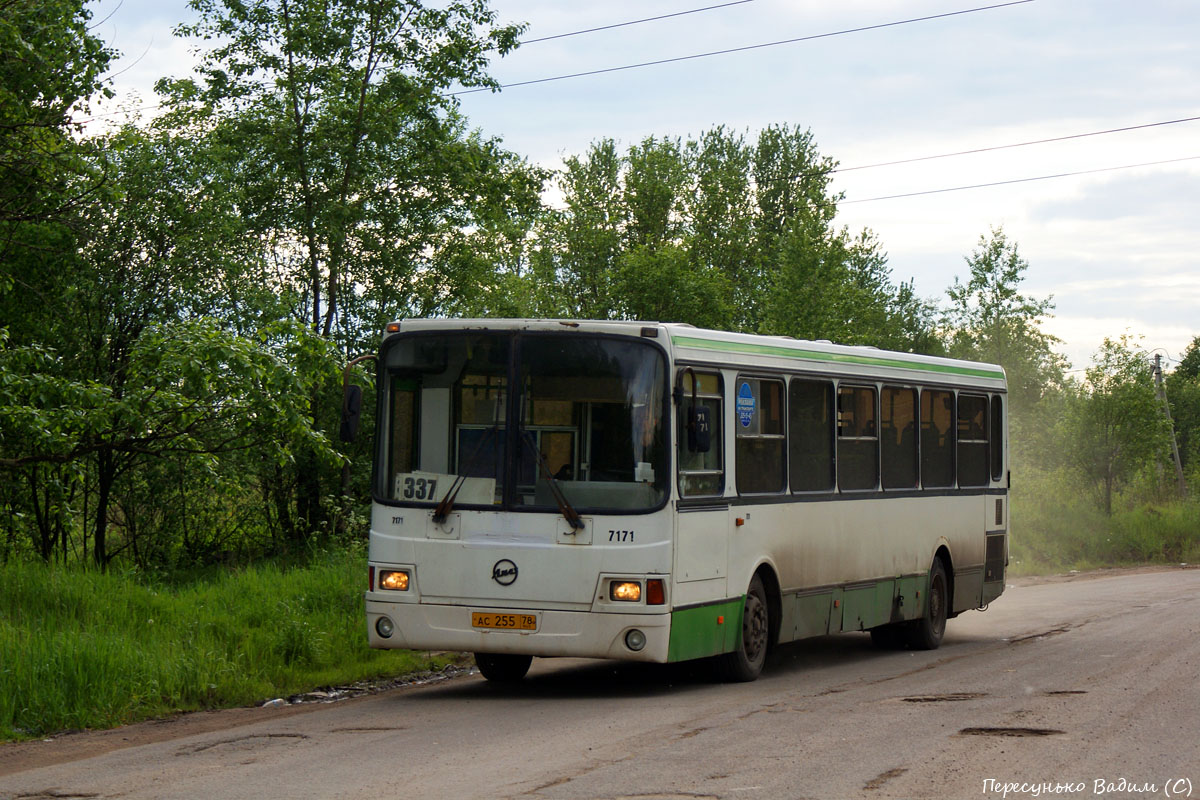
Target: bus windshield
(584,424)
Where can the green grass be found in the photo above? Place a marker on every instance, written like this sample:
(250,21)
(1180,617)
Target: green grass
(1056,532)
(82,649)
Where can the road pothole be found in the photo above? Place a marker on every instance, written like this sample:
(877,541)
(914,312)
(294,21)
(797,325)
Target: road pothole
(1035,637)
(369,729)
(953,697)
(883,777)
(1016,732)
(1058,692)
(253,742)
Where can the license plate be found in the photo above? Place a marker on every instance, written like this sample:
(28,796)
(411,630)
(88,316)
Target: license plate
(503,621)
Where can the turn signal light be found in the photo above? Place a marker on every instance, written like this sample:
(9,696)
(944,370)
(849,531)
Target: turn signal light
(393,580)
(629,591)
(656,594)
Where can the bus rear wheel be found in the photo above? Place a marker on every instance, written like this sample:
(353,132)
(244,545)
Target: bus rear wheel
(746,661)
(926,633)
(503,667)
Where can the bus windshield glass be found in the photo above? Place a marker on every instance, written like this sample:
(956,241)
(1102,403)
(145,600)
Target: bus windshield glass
(585,423)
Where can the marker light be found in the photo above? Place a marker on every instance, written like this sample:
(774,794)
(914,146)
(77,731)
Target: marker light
(393,580)
(656,595)
(629,591)
(384,627)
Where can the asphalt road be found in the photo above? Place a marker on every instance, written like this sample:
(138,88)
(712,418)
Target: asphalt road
(1060,685)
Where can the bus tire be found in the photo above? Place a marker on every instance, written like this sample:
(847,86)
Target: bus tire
(746,661)
(926,633)
(503,667)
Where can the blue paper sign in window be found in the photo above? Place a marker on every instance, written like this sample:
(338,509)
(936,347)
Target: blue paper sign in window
(745,405)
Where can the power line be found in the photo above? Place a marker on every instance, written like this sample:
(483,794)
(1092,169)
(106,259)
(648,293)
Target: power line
(1008,146)
(634,22)
(1019,180)
(95,117)
(742,49)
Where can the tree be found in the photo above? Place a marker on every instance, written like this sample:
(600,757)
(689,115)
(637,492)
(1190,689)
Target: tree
(1183,393)
(363,185)
(990,320)
(1114,426)
(189,391)
(360,173)
(49,66)
(718,232)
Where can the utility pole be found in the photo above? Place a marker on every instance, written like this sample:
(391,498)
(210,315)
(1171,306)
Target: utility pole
(1161,391)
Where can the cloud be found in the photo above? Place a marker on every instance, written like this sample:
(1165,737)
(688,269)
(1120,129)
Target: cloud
(1165,198)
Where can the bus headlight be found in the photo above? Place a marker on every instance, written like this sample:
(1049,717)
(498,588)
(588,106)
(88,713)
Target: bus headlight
(628,591)
(635,640)
(393,580)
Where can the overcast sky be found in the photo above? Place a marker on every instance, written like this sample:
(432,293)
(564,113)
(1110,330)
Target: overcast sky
(1119,250)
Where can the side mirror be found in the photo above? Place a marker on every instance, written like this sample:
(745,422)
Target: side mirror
(351,412)
(699,429)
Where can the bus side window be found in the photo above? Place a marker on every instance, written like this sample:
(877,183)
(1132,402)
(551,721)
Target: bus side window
(972,440)
(997,437)
(701,472)
(858,439)
(761,461)
(810,435)
(937,438)
(898,444)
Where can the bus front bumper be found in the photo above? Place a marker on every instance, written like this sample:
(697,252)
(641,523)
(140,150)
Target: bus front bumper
(579,634)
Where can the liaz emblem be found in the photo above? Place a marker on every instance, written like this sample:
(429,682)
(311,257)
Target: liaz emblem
(504,572)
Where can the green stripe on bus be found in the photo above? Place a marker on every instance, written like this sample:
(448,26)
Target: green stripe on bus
(835,358)
(705,630)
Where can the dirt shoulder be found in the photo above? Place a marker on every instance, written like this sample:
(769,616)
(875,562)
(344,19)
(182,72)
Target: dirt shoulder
(1095,574)
(66,746)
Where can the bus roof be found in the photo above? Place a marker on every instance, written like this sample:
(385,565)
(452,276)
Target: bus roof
(710,347)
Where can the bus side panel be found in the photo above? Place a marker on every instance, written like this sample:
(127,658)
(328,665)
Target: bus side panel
(909,594)
(810,616)
(968,589)
(700,543)
(864,607)
(707,630)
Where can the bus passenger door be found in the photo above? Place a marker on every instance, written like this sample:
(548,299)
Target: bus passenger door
(702,524)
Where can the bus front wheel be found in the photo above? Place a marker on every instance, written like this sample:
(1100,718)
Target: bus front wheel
(746,661)
(503,667)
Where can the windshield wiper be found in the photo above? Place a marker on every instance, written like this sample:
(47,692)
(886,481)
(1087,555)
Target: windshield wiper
(564,506)
(447,503)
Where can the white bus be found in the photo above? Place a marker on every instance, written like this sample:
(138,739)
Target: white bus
(657,492)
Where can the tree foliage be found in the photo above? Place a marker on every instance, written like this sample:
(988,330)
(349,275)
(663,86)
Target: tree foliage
(177,297)
(990,320)
(360,177)
(50,65)
(315,170)
(1183,393)
(720,232)
(1113,426)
